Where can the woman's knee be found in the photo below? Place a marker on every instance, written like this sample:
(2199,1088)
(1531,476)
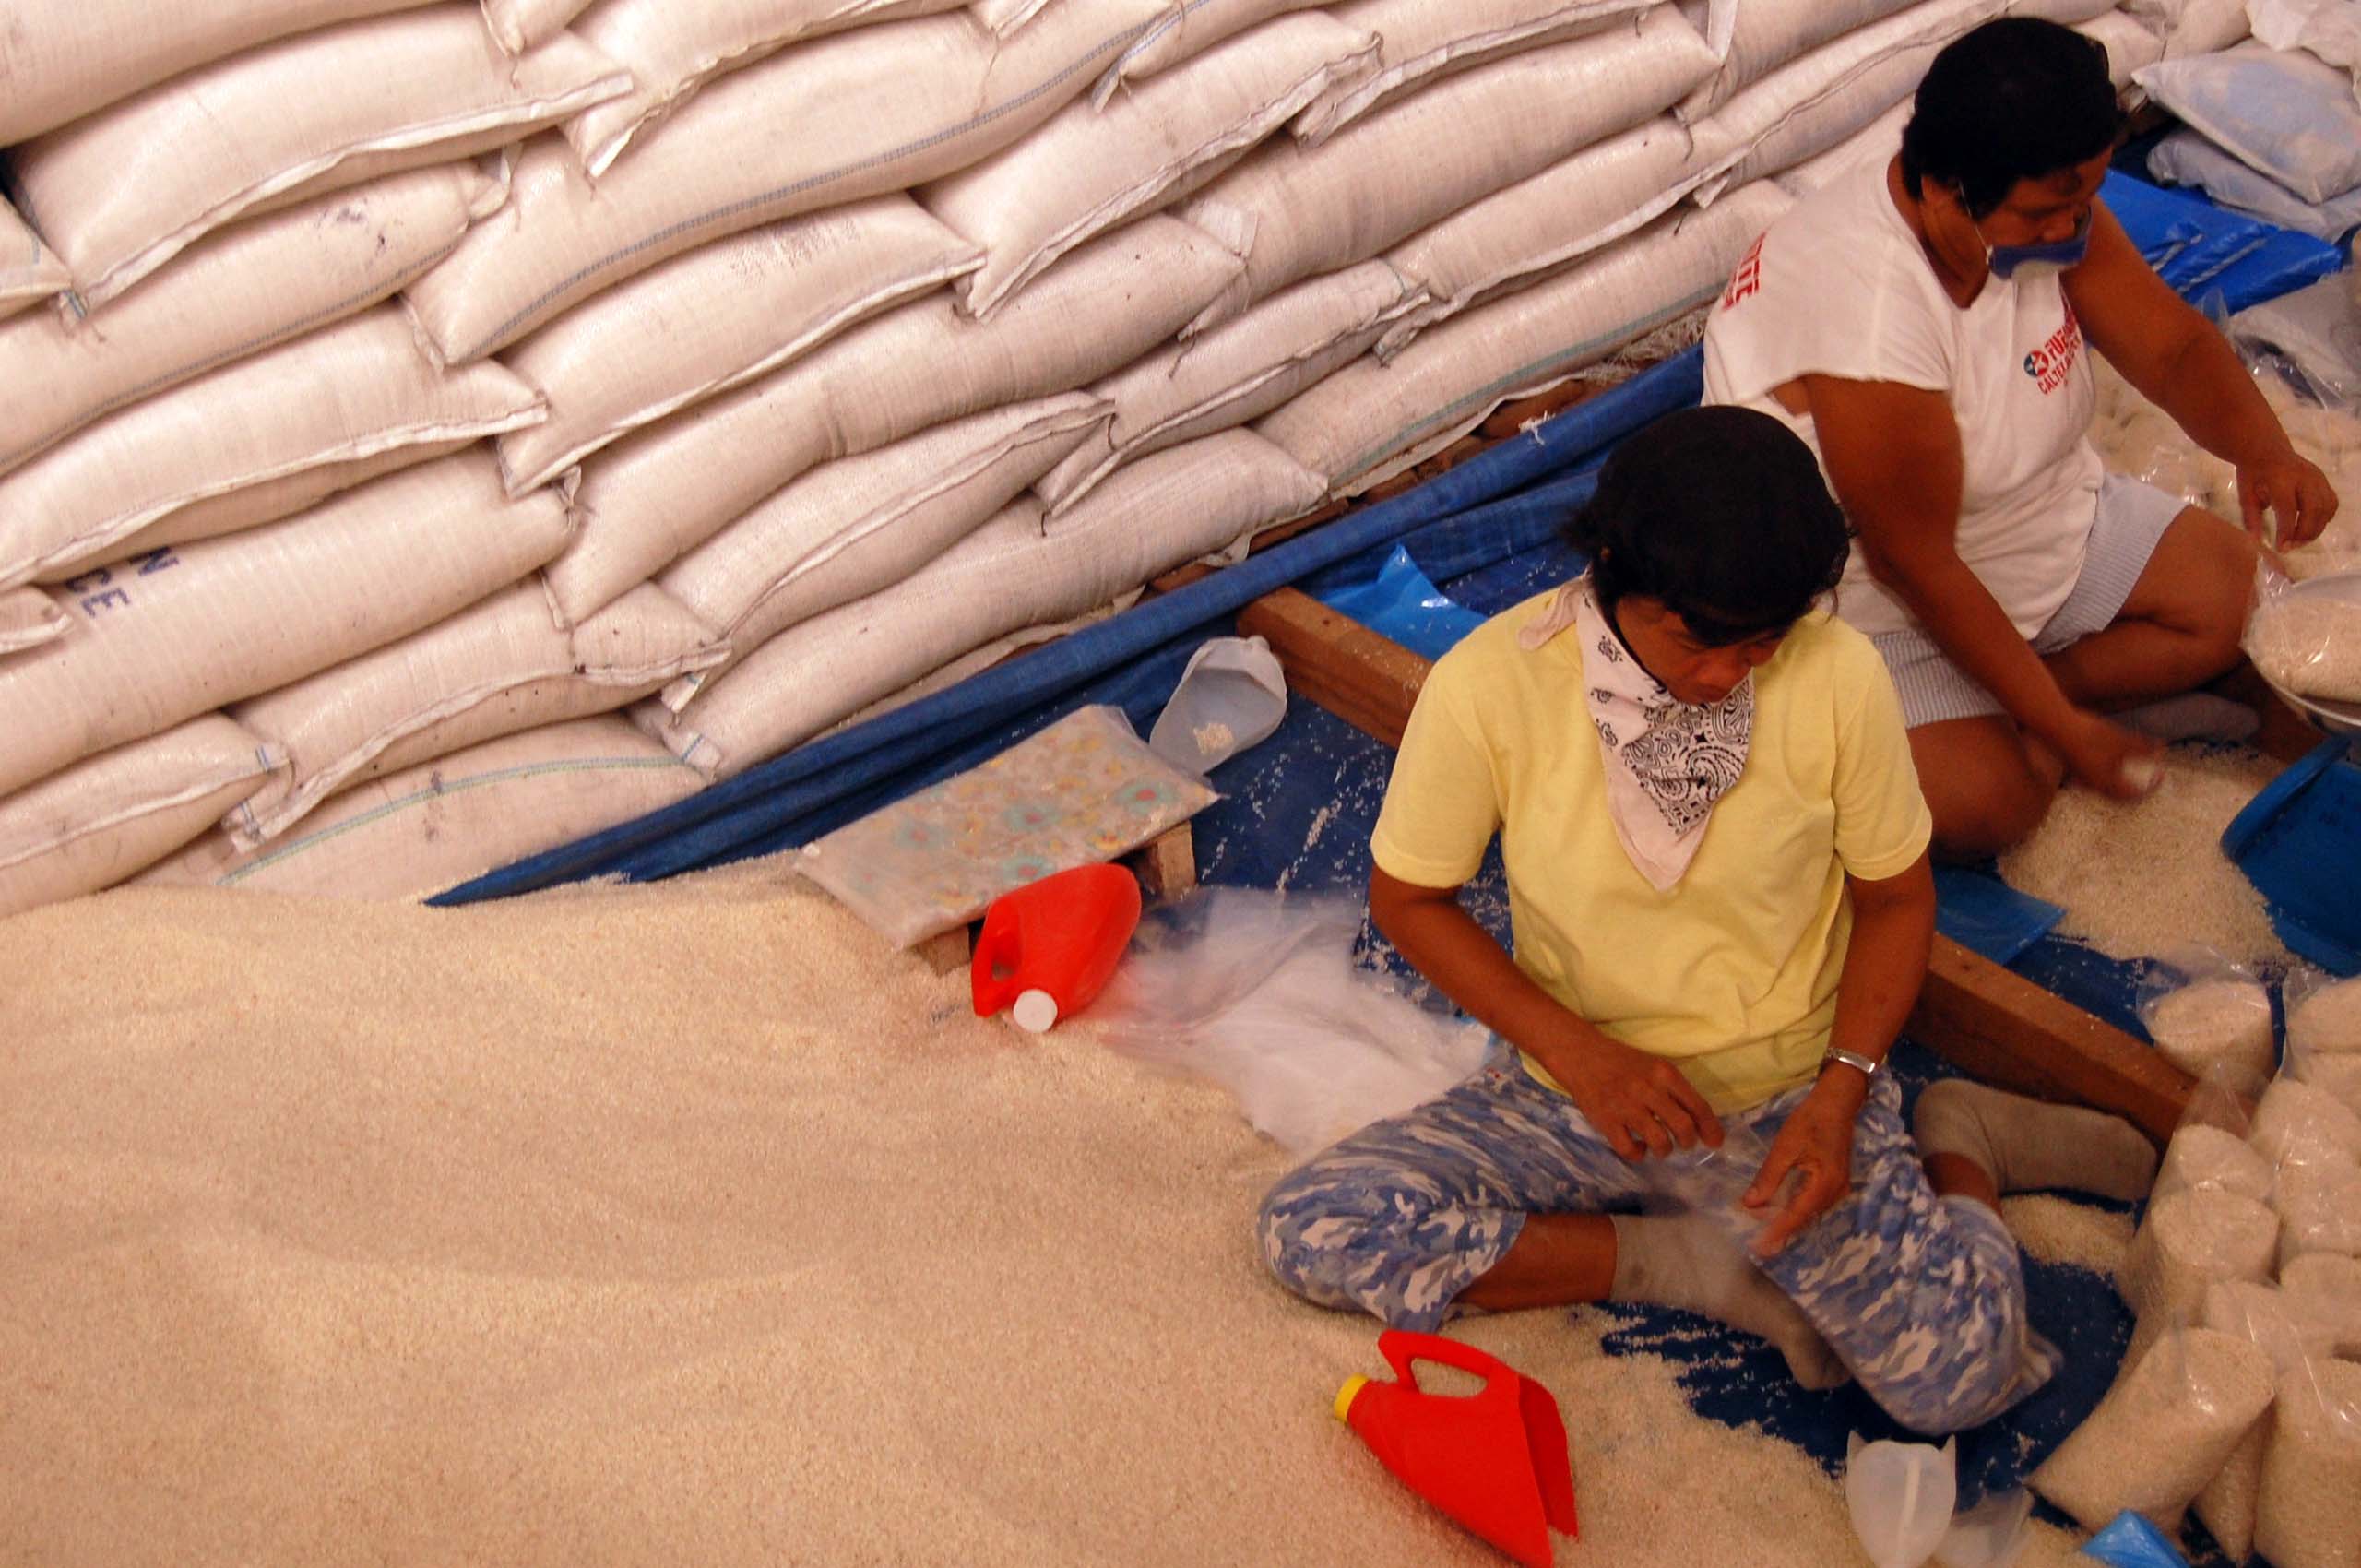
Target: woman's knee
(1308,1225)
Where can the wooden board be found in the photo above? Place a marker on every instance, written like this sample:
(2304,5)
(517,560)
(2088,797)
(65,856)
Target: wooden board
(1993,1024)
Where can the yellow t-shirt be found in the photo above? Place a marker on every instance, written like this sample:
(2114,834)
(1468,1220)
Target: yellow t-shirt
(1732,972)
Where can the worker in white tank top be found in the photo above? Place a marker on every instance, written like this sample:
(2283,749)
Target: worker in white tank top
(1923,324)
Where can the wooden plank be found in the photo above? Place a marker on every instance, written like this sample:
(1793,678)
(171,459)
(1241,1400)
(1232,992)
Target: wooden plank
(1168,866)
(1995,1024)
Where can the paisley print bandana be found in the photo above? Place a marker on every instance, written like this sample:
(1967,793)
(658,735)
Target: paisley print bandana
(1667,762)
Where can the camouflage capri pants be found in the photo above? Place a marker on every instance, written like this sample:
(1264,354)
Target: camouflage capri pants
(1923,1296)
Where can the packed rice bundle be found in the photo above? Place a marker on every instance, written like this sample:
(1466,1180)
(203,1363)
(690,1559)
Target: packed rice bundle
(498,667)
(2308,644)
(2190,1240)
(125,191)
(2326,1018)
(2216,1027)
(665,490)
(2319,1210)
(2327,1285)
(2164,1430)
(2308,1512)
(1295,211)
(233,293)
(718,317)
(2298,1125)
(425,830)
(102,819)
(2296,1342)
(1089,169)
(2200,1157)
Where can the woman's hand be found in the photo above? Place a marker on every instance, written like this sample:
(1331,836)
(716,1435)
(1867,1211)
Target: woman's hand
(2107,758)
(1811,1158)
(2292,491)
(1641,1104)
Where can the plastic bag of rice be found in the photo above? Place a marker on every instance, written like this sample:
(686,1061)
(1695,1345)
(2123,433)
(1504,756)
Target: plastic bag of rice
(2319,1209)
(2212,1157)
(2163,1430)
(2294,1340)
(2308,1512)
(2297,1124)
(2189,1240)
(2209,1016)
(2323,1015)
(2328,1286)
(2307,643)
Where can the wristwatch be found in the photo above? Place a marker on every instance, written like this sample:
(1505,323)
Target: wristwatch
(1868,1066)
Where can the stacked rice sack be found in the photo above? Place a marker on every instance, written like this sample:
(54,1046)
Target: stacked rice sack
(2240,1397)
(395,396)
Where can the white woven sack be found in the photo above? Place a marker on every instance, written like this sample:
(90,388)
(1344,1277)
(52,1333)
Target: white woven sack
(2187,28)
(232,294)
(1543,224)
(1878,140)
(121,193)
(1088,169)
(29,271)
(65,58)
(719,315)
(2284,114)
(1231,375)
(1371,419)
(429,829)
(520,26)
(27,619)
(663,491)
(397,704)
(1756,37)
(160,640)
(349,391)
(2129,45)
(1420,41)
(1005,16)
(671,50)
(850,527)
(1187,29)
(121,811)
(1010,574)
(877,109)
(1296,211)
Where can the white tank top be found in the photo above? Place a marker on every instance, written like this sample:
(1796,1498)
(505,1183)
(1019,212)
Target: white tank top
(1839,287)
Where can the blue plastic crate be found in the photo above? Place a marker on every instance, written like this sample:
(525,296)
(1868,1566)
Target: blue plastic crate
(2299,841)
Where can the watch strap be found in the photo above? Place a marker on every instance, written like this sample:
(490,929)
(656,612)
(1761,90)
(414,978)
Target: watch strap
(1868,1066)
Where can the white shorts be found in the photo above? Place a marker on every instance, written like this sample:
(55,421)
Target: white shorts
(2131,519)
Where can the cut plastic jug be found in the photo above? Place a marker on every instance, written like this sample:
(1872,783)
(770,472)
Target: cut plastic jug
(1232,696)
(1048,948)
(1494,1460)
(1901,1497)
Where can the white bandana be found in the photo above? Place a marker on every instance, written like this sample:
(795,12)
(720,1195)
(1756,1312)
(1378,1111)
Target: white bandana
(1668,761)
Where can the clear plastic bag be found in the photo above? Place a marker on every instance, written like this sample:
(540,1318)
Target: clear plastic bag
(2209,1016)
(2189,1241)
(2305,638)
(2309,1511)
(2298,1344)
(2327,1286)
(2298,1123)
(2319,1209)
(2323,1015)
(2209,1150)
(1260,992)
(1900,1496)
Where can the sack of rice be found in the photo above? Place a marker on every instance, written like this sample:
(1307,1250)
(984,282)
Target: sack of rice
(2319,1209)
(425,830)
(2204,1157)
(1005,16)
(67,57)
(1420,43)
(161,639)
(2163,1430)
(1371,420)
(1880,140)
(2309,1514)
(1089,169)
(2323,1016)
(349,392)
(2191,1240)
(425,696)
(2327,1285)
(851,528)
(521,25)
(2308,644)
(2297,1124)
(880,109)
(1234,374)
(1183,33)
(1296,211)
(672,50)
(121,193)
(29,271)
(663,491)
(719,315)
(1012,572)
(1757,38)
(2209,1016)
(233,293)
(2295,1344)
(122,811)
(2127,44)
(27,619)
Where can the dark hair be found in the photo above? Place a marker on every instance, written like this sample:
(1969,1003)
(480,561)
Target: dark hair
(2013,99)
(1719,513)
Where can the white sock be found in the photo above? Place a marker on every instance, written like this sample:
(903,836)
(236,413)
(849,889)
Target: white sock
(2023,1144)
(2193,716)
(1688,1260)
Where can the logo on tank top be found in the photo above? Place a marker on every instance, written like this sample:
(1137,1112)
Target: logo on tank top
(2049,364)
(1747,280)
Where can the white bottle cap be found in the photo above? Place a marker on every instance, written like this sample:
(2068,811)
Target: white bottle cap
(1034,1012)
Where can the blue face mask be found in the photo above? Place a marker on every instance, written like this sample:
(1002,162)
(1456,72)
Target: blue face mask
(2004,261)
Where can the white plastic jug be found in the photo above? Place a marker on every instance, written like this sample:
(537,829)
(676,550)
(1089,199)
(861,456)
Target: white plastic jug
(1232,696)
(1901,1497)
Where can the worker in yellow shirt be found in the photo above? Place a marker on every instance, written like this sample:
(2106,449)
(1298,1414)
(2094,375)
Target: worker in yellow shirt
(1722,907)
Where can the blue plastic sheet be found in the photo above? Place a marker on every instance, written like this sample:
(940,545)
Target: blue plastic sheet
(2130,1541)
(1984,914)
(2202,249)
(2299,842)
(1400,603)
